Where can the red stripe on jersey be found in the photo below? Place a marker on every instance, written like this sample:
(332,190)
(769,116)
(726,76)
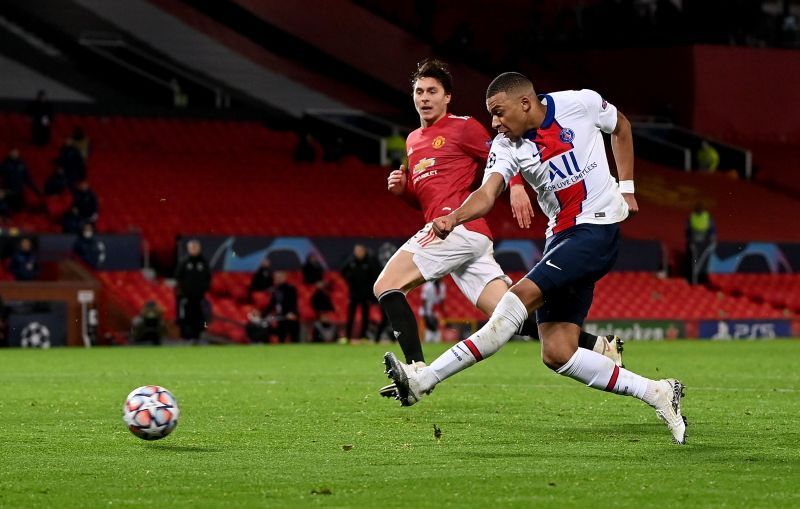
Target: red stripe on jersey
(473,350)
(549,142)
(571,202)
(613,381)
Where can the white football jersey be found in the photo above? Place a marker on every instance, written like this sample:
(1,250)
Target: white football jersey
(565,161)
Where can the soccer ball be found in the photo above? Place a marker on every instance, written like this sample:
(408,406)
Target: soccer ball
(35,335)
(151,412)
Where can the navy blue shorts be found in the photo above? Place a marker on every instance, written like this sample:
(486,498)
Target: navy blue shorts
(573,261)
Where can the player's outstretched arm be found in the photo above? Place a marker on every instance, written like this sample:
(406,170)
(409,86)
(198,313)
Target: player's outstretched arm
(622,146)
(477,204)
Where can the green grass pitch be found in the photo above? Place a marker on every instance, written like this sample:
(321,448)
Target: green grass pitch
(303,426)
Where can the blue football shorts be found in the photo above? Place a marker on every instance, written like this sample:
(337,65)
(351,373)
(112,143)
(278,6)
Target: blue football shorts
(572,262)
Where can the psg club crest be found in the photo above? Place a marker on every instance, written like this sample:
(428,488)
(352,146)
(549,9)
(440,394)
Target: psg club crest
(492,159)
(439,142)
(567,135)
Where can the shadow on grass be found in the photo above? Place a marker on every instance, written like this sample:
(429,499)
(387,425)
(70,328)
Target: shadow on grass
(184,448)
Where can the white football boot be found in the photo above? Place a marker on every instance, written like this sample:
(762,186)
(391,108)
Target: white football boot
(668,408)
(390,391)
(405,379)
(613,349)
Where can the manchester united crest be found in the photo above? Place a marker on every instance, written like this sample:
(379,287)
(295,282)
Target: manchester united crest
(439,142)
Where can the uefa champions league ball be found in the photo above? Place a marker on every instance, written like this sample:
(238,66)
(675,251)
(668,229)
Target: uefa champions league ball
(35,335)
(151,412)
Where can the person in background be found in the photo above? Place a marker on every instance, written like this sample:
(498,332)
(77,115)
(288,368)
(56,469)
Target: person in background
(396,149)
(16,178)
(323,329)
(321,301)
(149,325)
(312,270)
(257,327)
(262,280)
(193,279)
(81,142)
(433,294)
(701,235)
(40,110)
(89,248)
(71,222)
(71,159)
(24,264)
(56,182)
(282,311)
(85,203)
(360,271)
(707,157)
(179,98)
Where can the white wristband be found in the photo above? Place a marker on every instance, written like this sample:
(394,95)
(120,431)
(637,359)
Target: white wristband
(626,186)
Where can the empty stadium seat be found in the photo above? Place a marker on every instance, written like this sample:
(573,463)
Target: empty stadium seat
(639,295)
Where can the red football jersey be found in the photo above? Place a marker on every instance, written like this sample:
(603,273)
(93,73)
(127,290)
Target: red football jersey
(445,164)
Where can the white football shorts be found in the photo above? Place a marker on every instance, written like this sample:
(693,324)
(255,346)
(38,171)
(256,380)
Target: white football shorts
(466,255)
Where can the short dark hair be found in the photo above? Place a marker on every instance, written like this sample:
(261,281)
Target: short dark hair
(507,82)
(436,69)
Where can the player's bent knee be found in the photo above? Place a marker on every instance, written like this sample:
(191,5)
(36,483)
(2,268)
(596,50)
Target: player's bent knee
(556,358)
(551,361)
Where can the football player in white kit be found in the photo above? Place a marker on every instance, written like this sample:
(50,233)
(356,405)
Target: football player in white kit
(555,142)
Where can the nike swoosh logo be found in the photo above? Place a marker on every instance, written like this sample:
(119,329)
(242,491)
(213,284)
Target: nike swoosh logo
(396,334)
(550,263)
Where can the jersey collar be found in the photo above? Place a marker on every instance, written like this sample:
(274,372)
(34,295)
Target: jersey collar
(549,116)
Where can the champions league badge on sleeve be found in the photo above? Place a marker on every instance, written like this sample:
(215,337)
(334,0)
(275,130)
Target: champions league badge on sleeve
(492,159)
(567,135)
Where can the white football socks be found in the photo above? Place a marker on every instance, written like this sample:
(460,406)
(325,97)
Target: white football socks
(600,372)
(504,323)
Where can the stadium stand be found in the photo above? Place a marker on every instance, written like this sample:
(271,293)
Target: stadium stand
(230,307)
(780,290)
(633,295)
(620,296)
(174,164)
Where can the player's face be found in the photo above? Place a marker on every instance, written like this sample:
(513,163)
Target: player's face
(430,100)
(508,114)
